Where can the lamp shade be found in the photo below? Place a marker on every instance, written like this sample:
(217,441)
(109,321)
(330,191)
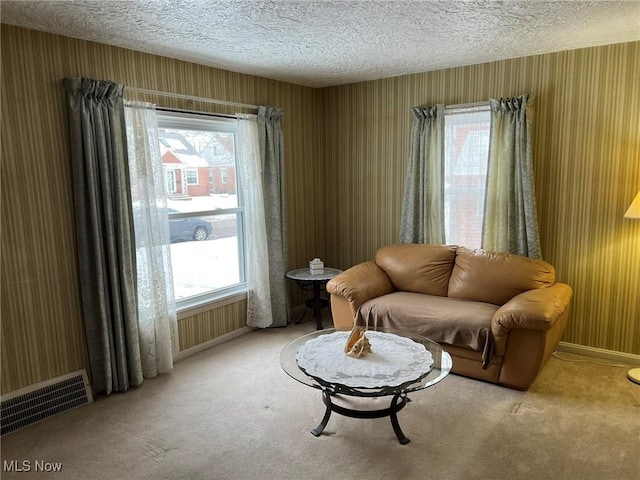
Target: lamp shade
(634,209)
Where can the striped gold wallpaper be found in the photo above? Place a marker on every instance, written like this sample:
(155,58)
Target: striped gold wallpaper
(42,329)
(205,326)
(586,133)
(346,149)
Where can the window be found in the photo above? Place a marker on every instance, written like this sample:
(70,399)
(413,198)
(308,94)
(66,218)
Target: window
(223,175)
(205,223)
(466,158)
(192,176)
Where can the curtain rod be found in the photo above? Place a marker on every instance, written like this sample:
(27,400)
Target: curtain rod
(468,105)
(194,112)
(191,97)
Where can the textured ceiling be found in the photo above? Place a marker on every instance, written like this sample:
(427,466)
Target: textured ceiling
(323,43)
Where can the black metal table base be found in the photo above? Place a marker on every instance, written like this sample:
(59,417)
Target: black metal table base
(397,403)
(316,303)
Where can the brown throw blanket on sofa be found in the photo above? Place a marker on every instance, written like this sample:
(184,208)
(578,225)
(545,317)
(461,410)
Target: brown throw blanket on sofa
(442,319)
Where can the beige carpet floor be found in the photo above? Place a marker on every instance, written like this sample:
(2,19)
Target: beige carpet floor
(230,412)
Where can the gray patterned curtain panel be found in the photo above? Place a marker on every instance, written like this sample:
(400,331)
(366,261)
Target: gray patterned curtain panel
(104,231)
(422,216)
(272,155)
(510,218)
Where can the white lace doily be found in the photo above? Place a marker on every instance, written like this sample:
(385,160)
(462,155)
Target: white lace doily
(393,361)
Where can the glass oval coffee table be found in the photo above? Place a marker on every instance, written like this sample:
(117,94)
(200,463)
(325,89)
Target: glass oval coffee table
(400,362)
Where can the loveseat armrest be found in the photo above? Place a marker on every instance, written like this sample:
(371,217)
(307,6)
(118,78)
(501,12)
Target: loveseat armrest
(537,309)
(360,283)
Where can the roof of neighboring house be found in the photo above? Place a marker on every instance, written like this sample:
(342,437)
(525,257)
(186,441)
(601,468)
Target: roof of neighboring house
(220,152)
(181,149)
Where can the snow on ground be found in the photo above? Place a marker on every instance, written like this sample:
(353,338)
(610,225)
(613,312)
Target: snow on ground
(200,204)
(199,267)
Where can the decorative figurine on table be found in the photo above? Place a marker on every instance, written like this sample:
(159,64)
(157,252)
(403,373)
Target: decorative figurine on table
(357,344)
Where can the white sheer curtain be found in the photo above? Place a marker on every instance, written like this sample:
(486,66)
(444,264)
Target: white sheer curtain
(157,322)
(256,253)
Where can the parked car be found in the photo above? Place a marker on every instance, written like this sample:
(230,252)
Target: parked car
(189,228)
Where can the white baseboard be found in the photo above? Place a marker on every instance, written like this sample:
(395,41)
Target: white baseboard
(609,355)
(212,343)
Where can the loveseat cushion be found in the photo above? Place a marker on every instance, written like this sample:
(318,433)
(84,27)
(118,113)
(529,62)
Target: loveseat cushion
(418,268)
(496,277)
(441,319)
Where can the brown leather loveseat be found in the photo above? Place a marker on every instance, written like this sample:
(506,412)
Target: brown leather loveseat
(500,316)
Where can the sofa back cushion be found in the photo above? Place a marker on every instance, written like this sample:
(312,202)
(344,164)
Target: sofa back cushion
(496,277)
(418,268)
